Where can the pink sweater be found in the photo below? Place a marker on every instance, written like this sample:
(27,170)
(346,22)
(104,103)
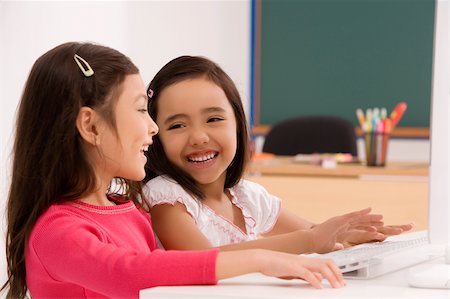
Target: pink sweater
(77,250)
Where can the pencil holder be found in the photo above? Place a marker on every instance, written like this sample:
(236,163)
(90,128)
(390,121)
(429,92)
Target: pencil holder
(376,148)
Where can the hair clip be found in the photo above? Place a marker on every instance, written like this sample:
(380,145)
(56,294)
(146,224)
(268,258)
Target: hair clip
(86,69)
(150,93)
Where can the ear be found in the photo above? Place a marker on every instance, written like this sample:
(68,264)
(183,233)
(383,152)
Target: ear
(86,124)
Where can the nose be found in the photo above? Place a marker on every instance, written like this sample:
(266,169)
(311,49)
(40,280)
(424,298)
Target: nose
(152,127)
(198,137)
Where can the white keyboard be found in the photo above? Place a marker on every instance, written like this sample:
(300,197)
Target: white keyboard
(374,259)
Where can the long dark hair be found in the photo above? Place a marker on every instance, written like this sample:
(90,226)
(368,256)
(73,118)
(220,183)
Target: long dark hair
(184,68)
(49,163)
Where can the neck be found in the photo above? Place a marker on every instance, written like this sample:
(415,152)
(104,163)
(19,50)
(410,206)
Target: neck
(98,197)
(215,190)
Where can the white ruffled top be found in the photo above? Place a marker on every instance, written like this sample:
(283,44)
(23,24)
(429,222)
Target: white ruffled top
(259,208)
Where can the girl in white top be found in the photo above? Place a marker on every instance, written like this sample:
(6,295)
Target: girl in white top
(195,167)
(259,210)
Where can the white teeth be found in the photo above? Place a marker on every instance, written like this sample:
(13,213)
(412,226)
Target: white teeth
(201,158)
(145,148)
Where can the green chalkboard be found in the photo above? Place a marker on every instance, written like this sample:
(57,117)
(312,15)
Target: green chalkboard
(333,56)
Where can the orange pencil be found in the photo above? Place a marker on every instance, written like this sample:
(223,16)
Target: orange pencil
(397,113)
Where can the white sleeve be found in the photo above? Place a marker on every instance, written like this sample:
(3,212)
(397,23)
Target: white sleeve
(164,190)
(262,206)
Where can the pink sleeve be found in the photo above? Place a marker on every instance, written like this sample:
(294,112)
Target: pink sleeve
(79,254)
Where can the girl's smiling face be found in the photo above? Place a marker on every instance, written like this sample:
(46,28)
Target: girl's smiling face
(122,154)
(197,129)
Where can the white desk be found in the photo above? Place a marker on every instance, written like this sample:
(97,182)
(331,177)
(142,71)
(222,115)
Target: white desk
(258,286)
(393,285)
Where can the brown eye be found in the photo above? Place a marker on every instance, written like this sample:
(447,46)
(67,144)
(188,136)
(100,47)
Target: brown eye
(214,119)
(176,126)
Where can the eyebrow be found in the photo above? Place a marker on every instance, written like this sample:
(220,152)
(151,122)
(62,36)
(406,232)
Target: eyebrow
(204,111)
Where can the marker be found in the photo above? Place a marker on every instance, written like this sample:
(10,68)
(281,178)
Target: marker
(369,119)
(376,114)
(360,116)
(380,127)
(397,113)
(387,126)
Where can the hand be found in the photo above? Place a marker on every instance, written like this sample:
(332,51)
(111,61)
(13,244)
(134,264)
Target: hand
(355,237)
(325,235)
(312,270)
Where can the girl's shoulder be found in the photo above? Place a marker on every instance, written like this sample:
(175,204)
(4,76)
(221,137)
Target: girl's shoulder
(250,194)
(259,207)
(249,189)
(62,217)
(76,209)
(165,190)
(163,186)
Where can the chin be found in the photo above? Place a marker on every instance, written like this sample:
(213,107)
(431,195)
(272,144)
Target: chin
(140,177)
(137,176)
(205,181)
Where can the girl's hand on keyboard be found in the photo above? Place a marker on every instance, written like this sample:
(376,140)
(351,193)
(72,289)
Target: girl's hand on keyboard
(312,270)
(355,237)
(325,236)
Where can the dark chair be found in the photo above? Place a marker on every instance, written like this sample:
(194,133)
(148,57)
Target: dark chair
(311,134)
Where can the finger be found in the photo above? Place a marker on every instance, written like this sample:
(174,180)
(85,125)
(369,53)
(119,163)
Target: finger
(410,225)
(375,237)
(394,230)
(311,278)
(387,230)
(367,228)
(370,226)
(355,219)
(334,276)
(362,227)
(318,275)
(355,237)
(370,218)
(365,222)
(287,277)
(352,216)
(371,236)
(357,213)
(337,273)
(407,227)
(338,246)
(373,217)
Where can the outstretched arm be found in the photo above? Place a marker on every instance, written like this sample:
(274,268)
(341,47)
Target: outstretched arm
(177,230)
(288,222)
(278,264)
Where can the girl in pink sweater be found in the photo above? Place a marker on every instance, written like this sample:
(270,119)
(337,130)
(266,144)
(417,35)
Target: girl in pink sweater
(78,222)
